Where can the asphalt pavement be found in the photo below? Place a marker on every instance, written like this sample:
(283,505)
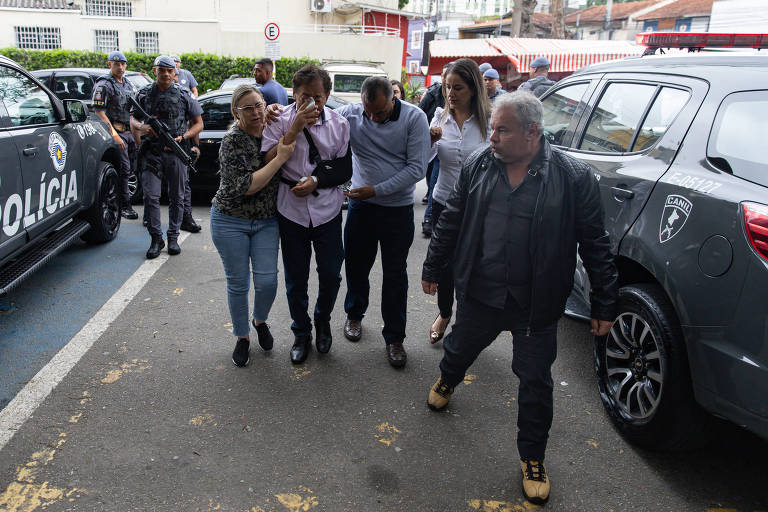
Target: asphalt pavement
(154,416)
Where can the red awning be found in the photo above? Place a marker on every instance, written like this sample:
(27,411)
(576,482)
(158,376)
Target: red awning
(565,55)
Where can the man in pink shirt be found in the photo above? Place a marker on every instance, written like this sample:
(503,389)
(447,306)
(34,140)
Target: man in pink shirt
(309,203)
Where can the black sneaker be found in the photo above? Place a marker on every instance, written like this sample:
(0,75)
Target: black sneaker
(128,213)
(241,355)
(426,229)
(425,199)
(266,341)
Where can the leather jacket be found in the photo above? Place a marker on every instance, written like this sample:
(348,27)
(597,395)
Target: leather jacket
(568,213)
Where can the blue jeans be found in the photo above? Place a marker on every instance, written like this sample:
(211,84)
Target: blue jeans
(431,187)
(297,243)
(369,225)
(247,247)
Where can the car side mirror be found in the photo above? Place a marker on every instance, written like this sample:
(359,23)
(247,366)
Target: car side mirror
(75,111)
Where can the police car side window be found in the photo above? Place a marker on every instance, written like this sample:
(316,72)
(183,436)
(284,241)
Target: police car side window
(559,108)
(612,127)
(26,102)
(76,87)
(216,113)
(738,135)
(665,108)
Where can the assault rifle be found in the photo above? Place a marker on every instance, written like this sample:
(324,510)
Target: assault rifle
(164,134)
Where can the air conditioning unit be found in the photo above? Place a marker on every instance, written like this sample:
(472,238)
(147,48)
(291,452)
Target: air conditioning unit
(320,5)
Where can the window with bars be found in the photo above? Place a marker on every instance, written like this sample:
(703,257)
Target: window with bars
(147,42)
(38,38)
(108,8)
(106,41)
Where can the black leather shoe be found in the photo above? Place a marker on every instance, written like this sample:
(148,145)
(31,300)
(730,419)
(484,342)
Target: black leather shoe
(145,222)
(300,349)
(155,248)
(189,224)
(396,354)
(323,337)
(425,199)
(426,229)
(173,247)
(129,213)
(353,329)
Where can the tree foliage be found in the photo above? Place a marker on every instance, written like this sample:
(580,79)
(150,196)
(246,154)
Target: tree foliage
(401,3)
(209,70)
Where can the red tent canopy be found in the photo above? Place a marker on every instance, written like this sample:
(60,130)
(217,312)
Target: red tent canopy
(565,55)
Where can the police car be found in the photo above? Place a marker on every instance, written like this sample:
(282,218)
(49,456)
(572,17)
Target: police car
(677,142)
(58,180)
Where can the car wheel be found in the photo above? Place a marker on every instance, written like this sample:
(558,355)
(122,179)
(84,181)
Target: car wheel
(134,187)
(104,213)
(643,375)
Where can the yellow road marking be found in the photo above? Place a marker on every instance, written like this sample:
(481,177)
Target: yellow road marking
(500,506)
(388,433)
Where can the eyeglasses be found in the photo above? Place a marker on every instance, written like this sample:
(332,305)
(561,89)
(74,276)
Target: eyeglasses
(250,108)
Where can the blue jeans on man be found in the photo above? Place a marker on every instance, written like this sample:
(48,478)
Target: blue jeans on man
(368,226)
(297,243)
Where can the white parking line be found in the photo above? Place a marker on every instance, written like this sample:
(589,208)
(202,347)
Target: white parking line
(24,404)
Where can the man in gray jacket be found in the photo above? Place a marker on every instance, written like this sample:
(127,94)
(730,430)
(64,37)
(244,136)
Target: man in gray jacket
(539,83)
(512,226)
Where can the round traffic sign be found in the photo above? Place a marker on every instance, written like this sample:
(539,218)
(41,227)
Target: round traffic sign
(272,31)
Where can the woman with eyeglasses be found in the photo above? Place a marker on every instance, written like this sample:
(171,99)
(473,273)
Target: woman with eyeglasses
(244,219)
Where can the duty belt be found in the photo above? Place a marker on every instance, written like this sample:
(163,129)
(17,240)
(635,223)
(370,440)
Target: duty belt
(119,127)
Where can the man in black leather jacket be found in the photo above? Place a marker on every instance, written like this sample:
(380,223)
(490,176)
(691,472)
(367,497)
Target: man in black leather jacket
(510,230)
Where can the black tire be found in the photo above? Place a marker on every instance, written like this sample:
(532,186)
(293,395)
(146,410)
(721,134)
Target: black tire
(104,213)
(134,187)
(643,374)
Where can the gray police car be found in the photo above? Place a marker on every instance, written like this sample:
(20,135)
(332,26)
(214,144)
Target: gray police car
(678,143)
(58,180)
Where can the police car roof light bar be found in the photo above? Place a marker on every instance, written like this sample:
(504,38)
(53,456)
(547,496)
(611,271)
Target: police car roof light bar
(698,40)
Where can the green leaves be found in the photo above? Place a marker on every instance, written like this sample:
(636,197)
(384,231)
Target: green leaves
(209,70)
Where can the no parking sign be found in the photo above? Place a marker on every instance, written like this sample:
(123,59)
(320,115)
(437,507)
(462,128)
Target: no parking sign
(272,41)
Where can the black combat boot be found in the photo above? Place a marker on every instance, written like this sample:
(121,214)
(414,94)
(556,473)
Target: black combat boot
(156,247)
(189,224)
(129,213)
(173,247)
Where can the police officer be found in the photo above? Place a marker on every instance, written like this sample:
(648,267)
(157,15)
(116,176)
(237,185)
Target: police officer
(176,107)
(110,102)
(186,80)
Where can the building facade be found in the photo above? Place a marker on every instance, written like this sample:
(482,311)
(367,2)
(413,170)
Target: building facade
(308,28)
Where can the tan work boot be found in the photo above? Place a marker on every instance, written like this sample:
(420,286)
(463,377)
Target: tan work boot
(439,395)
(535,481)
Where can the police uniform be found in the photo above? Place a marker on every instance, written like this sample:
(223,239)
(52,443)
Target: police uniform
(111,97)
(175,107)
(187,80)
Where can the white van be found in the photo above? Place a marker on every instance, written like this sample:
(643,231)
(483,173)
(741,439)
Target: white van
(347,78)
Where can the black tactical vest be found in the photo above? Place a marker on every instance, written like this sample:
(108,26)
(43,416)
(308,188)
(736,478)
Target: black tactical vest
(118,108)
(168,107)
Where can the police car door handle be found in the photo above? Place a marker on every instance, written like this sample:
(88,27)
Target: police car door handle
(622,193)
(30,151)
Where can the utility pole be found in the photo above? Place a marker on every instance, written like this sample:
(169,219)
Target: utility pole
(517,18)
(608,8)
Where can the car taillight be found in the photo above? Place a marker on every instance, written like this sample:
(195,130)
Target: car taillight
(756,224)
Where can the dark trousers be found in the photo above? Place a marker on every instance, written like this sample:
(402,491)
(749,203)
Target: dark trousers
(187,195)
(125,171)
(174,172)
(368,226)
(476,327)
(297,243)
(445,285)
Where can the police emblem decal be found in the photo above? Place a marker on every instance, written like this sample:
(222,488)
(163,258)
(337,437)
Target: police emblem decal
(676,211)
(57,148)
